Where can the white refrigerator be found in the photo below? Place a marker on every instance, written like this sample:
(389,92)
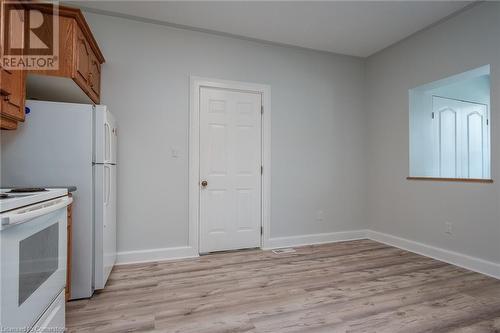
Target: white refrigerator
(63,144)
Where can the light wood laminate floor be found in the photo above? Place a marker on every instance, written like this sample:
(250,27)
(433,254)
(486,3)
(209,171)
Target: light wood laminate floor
(356,286)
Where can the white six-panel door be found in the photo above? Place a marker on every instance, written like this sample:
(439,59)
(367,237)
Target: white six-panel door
(462,138)
(230,164)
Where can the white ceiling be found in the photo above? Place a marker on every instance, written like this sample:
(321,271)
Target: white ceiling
(358,28)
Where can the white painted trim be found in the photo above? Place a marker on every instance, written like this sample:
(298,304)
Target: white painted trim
(458,259)
(332,237)
(169,253)
(468,262)
(194,151)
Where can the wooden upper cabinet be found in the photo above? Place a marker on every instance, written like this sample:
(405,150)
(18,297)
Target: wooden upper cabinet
(7,124)
(82,61)
(77,77)
(12,97)
(95,76)
(87,68)
(12,90)
(80,58)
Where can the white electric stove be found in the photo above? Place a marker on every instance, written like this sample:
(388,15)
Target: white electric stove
(12,198)
(33,253)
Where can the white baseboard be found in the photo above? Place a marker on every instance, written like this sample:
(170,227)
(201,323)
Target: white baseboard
(170,253)
(182,252)
(458,259)
(332,237)
(455,258)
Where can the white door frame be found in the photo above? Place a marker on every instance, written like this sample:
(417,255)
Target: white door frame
(196,83)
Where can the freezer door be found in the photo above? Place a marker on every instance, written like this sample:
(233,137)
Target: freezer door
(106,133)
(105,222)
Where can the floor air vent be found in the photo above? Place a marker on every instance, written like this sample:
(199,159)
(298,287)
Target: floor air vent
(283,251)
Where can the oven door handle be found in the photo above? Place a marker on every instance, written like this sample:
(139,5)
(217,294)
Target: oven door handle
(26,214)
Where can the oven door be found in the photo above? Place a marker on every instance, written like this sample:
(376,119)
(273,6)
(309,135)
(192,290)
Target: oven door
(33,261)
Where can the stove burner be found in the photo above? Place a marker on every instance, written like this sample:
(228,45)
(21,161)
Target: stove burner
(27,189)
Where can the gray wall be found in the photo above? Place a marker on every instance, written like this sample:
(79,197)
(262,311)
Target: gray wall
(340,132)
(419,210)
(318,128)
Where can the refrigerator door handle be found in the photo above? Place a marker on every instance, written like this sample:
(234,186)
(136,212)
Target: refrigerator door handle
(107,143)
(107,184)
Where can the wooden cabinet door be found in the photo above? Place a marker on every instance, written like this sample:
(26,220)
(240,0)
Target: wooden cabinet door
(12,32)
(12,85)
(7,124)
(95,78)
(12,94)
(82,61)
(5,81)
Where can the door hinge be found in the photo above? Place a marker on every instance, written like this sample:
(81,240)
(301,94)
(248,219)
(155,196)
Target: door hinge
(261,170)
(261,230)
(487,122)
(433,115)
(262,109)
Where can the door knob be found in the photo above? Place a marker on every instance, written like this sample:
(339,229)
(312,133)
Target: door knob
(204,183)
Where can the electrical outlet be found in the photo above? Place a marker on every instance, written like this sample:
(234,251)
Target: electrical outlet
(175,152)
(320,216)
(448,228)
